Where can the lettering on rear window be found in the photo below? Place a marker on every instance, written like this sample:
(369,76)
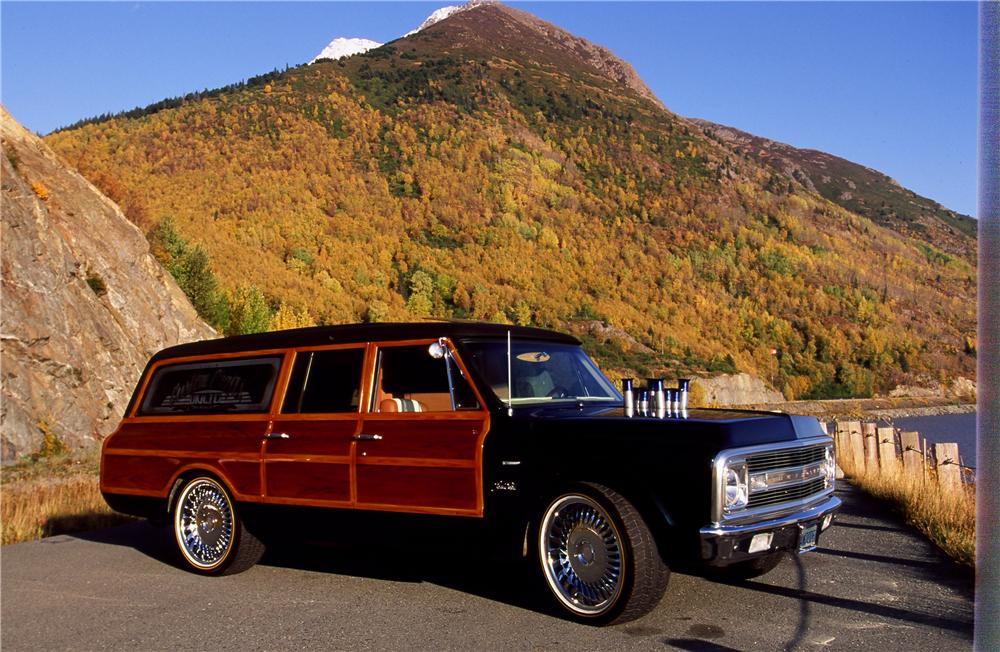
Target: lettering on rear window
(236,386)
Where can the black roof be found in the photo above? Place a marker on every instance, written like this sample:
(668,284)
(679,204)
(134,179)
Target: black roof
(348,333)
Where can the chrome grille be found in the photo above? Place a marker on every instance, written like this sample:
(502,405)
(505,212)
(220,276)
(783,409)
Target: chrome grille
(780,478)
(776,496)
(785,458)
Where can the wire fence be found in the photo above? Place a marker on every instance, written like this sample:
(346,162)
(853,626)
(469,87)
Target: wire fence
(866,446)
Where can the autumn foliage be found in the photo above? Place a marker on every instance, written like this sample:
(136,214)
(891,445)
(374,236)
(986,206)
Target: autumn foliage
(412,182)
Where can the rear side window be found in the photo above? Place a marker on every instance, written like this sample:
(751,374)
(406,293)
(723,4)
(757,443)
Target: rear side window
(212,387)
(323,382)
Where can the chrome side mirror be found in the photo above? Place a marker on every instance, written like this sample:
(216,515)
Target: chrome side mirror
(437,350)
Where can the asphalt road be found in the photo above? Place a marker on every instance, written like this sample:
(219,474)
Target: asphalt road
(872,585)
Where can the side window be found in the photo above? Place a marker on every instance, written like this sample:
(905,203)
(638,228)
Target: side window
(408,379)
(212,387)
(323,382)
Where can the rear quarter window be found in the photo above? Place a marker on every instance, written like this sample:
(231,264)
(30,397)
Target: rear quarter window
(234,386)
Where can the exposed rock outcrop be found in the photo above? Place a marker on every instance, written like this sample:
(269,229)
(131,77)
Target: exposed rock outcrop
(84,302)
(960,389)
(735,389)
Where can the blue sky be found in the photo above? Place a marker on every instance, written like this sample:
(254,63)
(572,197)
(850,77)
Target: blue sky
(890,85)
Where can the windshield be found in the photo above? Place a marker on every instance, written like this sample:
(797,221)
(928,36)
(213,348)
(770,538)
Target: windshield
(541,372)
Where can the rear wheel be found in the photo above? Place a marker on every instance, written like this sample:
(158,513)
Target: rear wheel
(210,535)
(598,556)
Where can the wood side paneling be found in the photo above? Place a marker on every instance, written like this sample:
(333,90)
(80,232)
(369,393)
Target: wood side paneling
(422,463)
(314,462)
(146,454)
(429,488)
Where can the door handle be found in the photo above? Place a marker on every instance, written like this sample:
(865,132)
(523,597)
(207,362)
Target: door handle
(363,437)
(277,435)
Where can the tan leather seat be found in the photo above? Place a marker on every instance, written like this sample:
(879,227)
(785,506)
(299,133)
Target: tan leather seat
(400,405)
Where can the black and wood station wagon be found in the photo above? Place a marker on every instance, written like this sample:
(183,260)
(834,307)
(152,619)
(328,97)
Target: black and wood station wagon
(515,428)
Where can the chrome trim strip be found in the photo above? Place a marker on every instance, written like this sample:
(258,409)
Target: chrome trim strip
(831,504)
(724,457)
(776,509)
(815,467)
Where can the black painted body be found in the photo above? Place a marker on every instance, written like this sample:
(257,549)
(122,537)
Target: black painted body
(663,466)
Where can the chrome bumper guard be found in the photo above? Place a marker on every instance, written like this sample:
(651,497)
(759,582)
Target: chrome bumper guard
(723,544)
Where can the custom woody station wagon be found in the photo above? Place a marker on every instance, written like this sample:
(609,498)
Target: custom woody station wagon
(515,429)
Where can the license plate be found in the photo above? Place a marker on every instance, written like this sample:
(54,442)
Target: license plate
(807,539)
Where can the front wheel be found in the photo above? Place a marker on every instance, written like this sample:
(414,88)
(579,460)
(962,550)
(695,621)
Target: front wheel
(599,558)
(209,532)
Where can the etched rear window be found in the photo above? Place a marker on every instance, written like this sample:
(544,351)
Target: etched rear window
(212,387)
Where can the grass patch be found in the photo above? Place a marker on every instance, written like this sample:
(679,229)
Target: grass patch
(945,516)
(52,496)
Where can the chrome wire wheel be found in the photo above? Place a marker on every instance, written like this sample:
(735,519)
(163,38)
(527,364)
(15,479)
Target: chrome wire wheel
(203,523)
(582,555)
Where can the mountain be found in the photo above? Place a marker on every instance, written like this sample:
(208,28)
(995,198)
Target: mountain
(490,29)
(84,303)
(440,14)
(859,189)
(494,166)
(345,47)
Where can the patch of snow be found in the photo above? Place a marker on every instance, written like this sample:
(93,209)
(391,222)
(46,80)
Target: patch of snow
(345,47)
(436,17)
(444,12)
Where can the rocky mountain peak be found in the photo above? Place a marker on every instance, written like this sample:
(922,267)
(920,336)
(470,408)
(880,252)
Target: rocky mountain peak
(497,26)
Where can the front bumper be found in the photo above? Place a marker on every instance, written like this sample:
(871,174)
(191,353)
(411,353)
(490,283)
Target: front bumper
(722,545)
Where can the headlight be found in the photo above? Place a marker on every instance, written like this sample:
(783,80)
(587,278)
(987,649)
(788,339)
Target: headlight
(736,490)
(830,466)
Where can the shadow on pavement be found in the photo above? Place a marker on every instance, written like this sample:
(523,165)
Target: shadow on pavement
(152,541)
(866,607)
(464,560)
(463,569)
(867,526)
(882,559)
(697,645)
(462,566)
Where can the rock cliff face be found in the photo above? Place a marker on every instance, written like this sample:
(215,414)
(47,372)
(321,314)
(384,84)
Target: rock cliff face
(84,303)
(736,389)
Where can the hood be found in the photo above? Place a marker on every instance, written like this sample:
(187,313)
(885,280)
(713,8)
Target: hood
(716,427)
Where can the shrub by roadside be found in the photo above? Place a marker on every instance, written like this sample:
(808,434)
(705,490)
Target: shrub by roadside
(52,496)
(945,516)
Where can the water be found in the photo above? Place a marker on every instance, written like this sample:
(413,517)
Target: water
(946,428)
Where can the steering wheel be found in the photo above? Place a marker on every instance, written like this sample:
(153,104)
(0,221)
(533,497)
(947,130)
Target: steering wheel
(558,392)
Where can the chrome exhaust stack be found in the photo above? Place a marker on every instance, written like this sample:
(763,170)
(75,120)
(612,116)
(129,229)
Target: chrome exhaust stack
(683,385)
(655,400)
(671,402)
(629,396)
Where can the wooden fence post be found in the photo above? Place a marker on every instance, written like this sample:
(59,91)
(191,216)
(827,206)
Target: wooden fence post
(887,450)
(913,460)
(840,441)
(871,446)
(856,442)
(949,472)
